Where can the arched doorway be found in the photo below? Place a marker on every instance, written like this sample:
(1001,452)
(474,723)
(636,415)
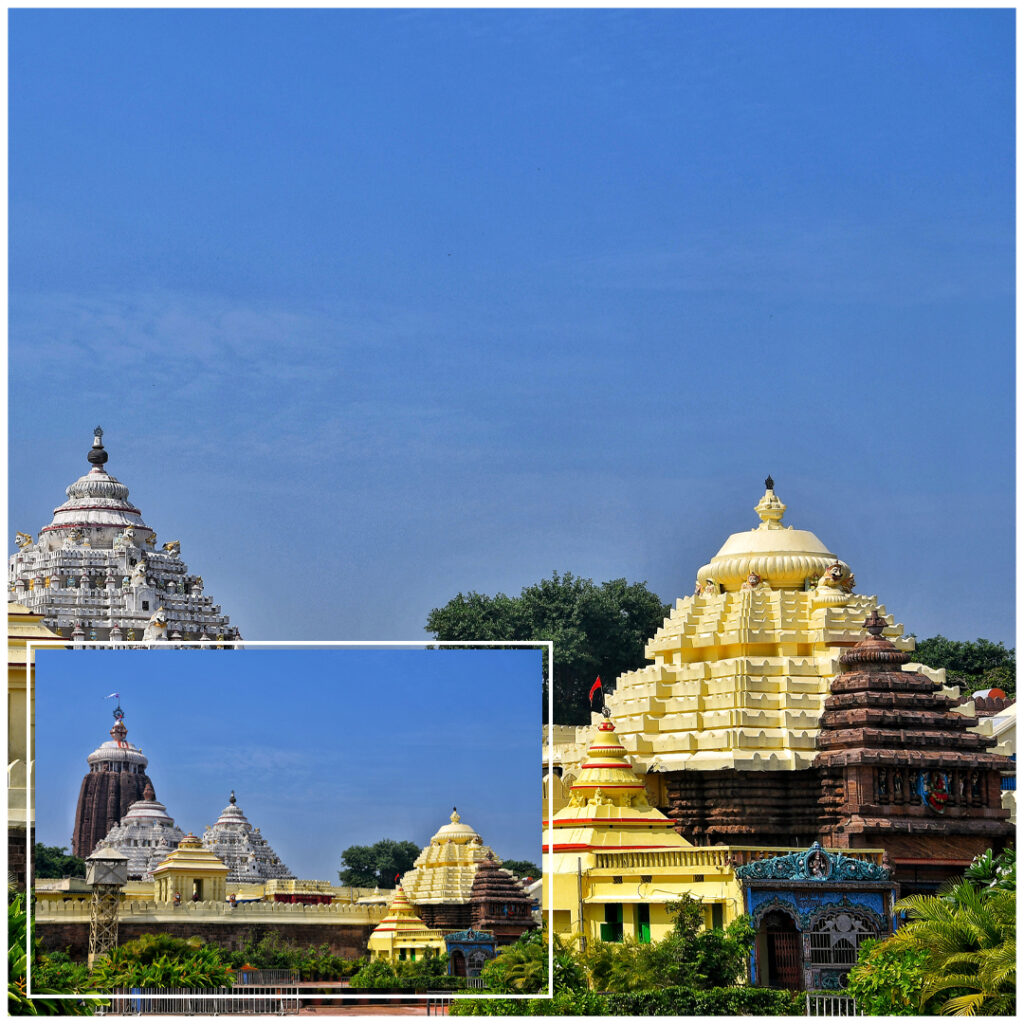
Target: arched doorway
(779,953)
(458,963)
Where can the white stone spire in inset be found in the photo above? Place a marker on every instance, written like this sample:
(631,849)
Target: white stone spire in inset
(240,846)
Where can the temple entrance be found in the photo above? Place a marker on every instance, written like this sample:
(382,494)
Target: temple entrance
(458,964)
(781,945)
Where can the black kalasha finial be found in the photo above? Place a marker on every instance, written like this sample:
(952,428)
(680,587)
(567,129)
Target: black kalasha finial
(97,454)
(232,800)
(769,483)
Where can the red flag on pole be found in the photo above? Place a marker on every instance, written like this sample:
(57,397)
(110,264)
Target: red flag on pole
(596,686)
(397,877)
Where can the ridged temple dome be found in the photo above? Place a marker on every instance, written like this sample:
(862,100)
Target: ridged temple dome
(97,505)
(444,870)
(146,835)
(739,671)
(249,856)
(784,557)
(401,915)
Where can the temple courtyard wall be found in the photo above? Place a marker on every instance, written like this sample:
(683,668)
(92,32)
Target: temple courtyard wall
(65,926)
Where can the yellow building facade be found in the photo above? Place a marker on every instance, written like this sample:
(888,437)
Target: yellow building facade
(191,872)
(402,935)
(23,627)
(617,862)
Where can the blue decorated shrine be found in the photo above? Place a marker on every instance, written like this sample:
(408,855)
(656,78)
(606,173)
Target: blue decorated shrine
(811,912)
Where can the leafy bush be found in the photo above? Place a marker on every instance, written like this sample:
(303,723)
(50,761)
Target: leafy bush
(887,982)
(710,1002)
(161,961)
(521,968)
(315,963)
(57,972)
(18,1002)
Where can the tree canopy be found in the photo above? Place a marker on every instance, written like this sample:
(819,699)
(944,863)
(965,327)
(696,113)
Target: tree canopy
(971,664)
(522,868)
(598,630)
(56,862)
(369,866)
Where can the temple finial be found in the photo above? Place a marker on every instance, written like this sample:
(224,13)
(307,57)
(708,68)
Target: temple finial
(874,623)
(232,798)
(97,454)
(455,819)
(769,482)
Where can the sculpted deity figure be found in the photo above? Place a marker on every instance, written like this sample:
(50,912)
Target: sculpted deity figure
(837,577)
(139,573)
(151,541)
(73,539)
(126,538)
(752,582)
(23,540)
(710,587)
(157,628)
(173,547)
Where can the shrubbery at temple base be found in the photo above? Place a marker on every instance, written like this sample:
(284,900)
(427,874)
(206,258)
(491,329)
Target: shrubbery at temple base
(162,961)
(429,973)
(314,963)
(18,1002)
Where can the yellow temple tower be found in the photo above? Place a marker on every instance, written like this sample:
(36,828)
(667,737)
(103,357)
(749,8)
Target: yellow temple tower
(617,862)
(440,881)
(401,935)
(191,871)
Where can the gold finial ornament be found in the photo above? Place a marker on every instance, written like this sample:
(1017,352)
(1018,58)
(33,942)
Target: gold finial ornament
(770,509)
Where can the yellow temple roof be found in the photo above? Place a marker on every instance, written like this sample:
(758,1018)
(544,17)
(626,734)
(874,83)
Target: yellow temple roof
(445,868)
(740,670)
(402,925)
(191,857)
(608,807)
(23,625)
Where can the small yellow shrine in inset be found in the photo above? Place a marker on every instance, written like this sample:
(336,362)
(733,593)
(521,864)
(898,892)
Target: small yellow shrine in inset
(617,861)
(402,935)
(191,871)
(741,668)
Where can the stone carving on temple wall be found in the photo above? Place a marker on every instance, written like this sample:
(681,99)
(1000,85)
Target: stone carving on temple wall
(753,582)
(139,574)
(815,864)
(834,586)
(173,547)
(23,540)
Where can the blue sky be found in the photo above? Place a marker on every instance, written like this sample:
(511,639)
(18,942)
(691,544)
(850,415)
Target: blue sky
(324,748)
(376,307)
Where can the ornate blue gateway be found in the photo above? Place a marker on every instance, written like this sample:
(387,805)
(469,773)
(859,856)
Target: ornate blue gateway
(816,864)
(468,951)
(812,910)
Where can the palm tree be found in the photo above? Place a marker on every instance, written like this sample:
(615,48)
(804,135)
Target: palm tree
(970,939)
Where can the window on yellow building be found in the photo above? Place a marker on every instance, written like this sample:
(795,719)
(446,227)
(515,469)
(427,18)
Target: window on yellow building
(717,915)
(611,928)
(643,922)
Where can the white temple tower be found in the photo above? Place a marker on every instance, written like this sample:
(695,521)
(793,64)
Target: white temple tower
(146,835)
(95,572)
(242,847)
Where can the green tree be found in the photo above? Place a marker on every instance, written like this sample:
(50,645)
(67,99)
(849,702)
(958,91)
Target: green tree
(55,862)
(969,938)
(596,629)
(368,866)
(521,967)
(887,982)
(691,956)
(522,868)
(971,664)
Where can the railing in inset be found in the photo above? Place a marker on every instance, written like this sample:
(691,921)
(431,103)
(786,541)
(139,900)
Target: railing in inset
(827,1004)
(190,1002)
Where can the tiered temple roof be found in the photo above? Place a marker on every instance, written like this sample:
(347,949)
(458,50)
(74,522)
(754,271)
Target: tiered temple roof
(146,835)
(248,855)
(445,868)
(402,932)
(95,573)
(608,807)
(116,780)
(741,668)
(499,903)
(896,757)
